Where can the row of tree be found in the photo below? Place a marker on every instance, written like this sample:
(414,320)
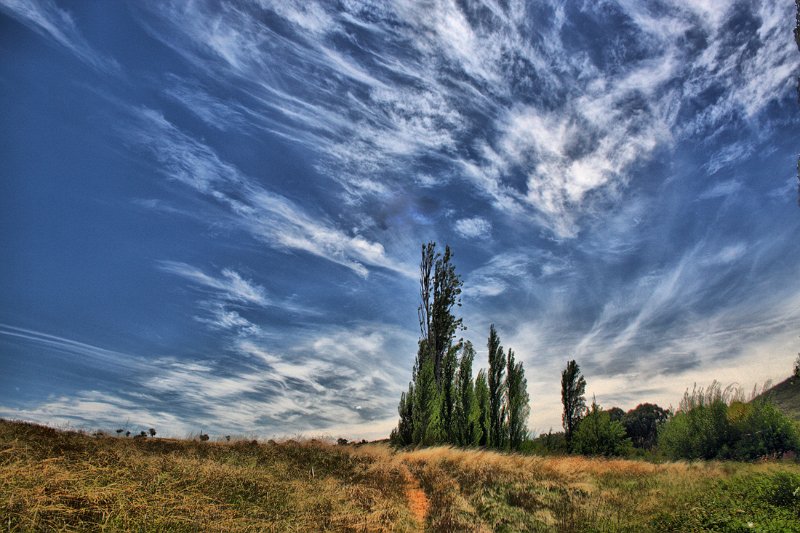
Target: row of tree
(443,404)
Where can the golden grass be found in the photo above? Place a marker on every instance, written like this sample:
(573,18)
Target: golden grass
(57,480)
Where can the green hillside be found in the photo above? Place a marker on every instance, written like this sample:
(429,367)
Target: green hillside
(786,395)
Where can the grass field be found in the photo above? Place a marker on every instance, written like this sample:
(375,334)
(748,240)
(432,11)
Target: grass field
(59,480)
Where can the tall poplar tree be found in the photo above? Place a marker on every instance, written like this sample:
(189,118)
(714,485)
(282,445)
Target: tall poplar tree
(573,389)
(467,427)
(517,402)
(497,367)
(433,400)
(484,408)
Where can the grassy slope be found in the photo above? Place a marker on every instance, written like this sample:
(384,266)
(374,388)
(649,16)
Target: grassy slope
(64,480)
(786,396)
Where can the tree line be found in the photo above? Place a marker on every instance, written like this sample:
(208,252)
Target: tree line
(443,404)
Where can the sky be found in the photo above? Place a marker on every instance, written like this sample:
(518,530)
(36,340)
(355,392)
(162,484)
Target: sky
(212,212)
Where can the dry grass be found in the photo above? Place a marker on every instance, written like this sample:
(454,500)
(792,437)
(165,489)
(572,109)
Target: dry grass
(56,480)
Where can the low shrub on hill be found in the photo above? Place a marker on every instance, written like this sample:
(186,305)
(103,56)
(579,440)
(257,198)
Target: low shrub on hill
(715,423)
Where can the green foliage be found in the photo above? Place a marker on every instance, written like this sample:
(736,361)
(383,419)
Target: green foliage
(597,434)
(642,423)
(518,407)
(497,368)
(573,389)
(762,431)
(403,435)
(467,412)
(547,444)
(700,429)
(448,393)
(743,502)
(427,407)
(484,411)
(712,423)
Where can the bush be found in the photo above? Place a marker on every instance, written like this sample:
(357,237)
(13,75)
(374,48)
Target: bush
(764,430)
(546,444)
(597,434)
(713,423)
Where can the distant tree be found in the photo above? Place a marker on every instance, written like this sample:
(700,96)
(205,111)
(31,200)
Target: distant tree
(203,436)
(142,433)
(615,413)
(642,423)
(119,431)
(484,408)
(517,401)
(152,432)
(796,369)
(403,435)
(597,434)
(573,388)
(467,412)
(497,368)
(127,433)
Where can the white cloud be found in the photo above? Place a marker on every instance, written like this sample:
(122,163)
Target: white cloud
(231,286)
(473,228)
(45,18)
(267,216)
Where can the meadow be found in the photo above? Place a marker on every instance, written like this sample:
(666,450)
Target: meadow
(72,481)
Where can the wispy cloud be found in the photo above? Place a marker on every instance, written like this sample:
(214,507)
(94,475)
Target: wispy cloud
(542,131)
(231,285)
(329,382)
(267,216)
(47,19)
(472,228)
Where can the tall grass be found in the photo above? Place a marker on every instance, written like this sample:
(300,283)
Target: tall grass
(55,480)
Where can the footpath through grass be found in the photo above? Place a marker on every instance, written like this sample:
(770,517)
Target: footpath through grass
(57,480)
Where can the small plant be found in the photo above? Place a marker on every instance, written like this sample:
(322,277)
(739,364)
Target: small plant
(203,436)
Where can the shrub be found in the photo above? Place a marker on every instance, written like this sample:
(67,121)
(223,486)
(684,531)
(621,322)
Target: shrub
(597,434)
(764,430)
(713,423)
(700,429)
(546,444)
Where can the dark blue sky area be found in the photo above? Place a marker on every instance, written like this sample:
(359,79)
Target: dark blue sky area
(211,212)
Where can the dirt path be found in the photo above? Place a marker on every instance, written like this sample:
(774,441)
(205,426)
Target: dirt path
(417,500)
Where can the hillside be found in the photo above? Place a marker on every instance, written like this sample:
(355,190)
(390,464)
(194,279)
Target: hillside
(59,480)
(786,395)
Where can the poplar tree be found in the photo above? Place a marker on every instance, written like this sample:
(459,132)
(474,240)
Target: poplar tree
(468,431)
(449,396)
(573,388)
(433,398)
(484,409)
(517,401)
(497,367)
(427,421)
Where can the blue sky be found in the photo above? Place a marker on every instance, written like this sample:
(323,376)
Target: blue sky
(212,212)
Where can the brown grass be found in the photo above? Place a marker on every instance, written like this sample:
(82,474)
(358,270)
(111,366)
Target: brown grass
(57,480)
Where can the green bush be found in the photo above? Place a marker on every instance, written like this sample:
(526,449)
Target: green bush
(597,434)
(764,431)
(713,423)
